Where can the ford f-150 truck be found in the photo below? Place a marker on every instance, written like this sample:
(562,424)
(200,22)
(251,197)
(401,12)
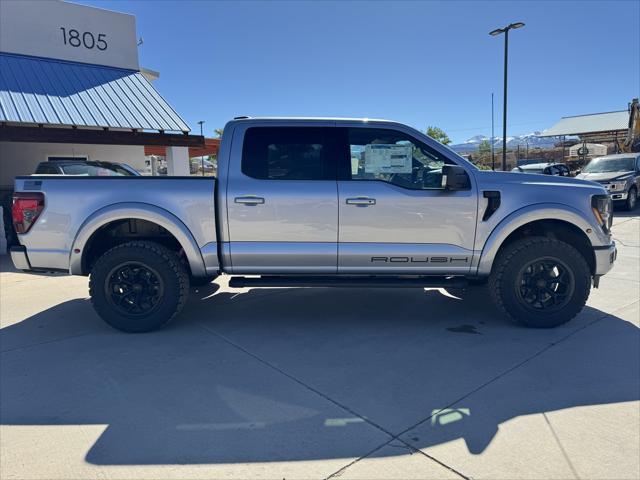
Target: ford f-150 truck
(619,174)
(320,202)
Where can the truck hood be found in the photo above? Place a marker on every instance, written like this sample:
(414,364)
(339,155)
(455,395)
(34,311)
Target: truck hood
(487,177)
(540,186)
(605,176)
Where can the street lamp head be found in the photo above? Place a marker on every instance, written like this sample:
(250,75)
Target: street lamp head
(511,26)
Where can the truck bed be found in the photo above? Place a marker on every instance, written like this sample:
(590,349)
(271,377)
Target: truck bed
(71,203)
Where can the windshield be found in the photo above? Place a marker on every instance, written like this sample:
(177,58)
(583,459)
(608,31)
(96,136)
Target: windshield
(602,165)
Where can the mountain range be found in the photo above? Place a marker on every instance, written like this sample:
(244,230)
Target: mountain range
(532,139)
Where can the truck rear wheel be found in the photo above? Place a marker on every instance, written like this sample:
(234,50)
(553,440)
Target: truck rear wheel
(138,286)
(540,282)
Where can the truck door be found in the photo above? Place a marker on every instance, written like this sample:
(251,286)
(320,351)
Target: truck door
(395,217)
(282,201)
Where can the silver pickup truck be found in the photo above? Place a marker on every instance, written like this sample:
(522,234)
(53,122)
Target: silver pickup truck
(320,202)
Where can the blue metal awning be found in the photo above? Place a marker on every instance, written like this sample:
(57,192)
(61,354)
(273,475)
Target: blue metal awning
(56,92)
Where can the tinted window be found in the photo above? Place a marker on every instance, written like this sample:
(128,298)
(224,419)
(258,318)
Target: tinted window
(393,157)
(287,153)
(47,170)
(92,171)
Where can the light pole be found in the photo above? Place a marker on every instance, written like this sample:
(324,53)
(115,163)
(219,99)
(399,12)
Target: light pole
(201,122)
(494,33)
(493,140)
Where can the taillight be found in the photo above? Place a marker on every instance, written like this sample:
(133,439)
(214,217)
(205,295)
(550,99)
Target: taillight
(26,209)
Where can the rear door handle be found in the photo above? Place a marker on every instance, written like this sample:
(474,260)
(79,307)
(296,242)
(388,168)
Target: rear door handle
(249,200)
(361,201)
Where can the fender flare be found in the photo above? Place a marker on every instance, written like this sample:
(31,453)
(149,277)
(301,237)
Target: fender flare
(532,213)
(139,211)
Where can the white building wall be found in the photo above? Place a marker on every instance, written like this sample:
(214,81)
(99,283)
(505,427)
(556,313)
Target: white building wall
(21,158)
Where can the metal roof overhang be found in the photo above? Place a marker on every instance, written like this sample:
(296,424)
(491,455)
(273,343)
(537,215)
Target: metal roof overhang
(10,133)
(597,123)
(57,93)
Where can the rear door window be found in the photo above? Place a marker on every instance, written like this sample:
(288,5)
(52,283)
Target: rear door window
(288,153)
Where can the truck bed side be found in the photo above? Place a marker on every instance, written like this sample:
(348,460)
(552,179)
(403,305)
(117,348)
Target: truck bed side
(78,208)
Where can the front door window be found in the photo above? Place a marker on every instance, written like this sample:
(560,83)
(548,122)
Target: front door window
(393,157)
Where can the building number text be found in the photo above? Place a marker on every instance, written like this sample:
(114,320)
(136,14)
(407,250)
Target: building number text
(87,39)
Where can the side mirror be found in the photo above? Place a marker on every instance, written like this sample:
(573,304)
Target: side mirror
(578,172)
(454,177)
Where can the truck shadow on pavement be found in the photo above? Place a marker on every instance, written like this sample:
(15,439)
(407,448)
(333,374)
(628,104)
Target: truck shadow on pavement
(264,375)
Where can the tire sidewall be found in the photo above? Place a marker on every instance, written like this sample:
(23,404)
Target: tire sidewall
(156,258)
(523,252)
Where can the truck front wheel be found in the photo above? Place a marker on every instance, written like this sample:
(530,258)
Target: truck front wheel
(540,282)
(138,286)
(632,199)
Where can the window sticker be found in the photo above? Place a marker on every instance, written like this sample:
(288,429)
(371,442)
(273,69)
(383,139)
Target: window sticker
(387,158)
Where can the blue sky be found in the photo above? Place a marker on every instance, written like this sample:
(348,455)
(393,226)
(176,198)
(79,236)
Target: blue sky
(421,63)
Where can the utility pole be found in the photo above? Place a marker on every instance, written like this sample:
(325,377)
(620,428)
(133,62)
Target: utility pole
(201,122)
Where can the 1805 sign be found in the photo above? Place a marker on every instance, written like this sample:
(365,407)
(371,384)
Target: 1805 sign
(88,40)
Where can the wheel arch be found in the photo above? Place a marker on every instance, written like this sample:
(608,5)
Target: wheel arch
(557,221)
(116,213)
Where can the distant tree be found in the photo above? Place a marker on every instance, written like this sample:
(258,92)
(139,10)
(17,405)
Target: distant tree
(218,132)
(438,134)
(484,148)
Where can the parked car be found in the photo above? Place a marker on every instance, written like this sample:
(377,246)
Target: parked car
(558,169)
(198,165)
(320,202)
(619,174)
(85,168)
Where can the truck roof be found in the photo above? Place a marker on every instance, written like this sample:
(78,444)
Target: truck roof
(315,119)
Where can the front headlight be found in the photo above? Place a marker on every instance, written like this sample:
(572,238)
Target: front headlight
(618,185)
(602,208)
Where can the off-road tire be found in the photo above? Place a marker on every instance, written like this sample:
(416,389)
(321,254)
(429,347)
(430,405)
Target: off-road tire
(503,281)
(632,200)
(163,262)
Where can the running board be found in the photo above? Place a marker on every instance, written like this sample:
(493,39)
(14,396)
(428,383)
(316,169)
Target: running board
(342,281)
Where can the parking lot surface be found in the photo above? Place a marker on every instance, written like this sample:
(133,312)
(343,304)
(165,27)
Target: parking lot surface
(317,383)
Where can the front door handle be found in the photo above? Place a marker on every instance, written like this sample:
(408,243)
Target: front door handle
(249,200)
(361,201)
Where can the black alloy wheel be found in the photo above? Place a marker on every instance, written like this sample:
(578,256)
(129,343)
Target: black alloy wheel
(546,284)
(134,289)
